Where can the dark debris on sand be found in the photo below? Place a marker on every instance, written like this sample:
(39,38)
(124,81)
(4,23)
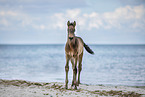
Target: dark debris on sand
(22,83)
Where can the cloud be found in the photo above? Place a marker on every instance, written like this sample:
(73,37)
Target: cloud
(17,20)
(4,22)
(59,19)
(127,17)
(13,20)
(72,14)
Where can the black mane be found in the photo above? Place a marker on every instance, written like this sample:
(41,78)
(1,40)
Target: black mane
(71,24)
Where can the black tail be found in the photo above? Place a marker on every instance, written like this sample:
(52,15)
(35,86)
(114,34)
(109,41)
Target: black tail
(88,49)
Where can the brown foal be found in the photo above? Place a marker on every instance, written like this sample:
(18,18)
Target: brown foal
(74,53)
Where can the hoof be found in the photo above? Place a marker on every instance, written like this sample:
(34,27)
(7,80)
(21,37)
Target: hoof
(75,88)
(72,85)
(77,83)
(66,87)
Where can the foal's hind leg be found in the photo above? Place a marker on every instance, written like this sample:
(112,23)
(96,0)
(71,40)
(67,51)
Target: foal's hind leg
(79,67)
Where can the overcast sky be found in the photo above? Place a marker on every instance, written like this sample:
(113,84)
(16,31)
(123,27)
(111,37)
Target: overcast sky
(98,21)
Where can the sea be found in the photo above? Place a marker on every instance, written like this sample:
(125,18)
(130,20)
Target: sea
(110,65)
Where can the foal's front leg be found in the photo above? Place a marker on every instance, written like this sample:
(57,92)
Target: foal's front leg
(66,70)
(75,73)
(72,62)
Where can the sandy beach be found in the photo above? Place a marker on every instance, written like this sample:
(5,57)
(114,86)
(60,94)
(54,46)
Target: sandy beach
(21,88)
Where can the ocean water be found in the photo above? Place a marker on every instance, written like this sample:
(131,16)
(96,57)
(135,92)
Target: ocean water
(111,64)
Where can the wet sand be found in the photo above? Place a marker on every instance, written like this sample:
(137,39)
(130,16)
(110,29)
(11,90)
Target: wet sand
(21,88)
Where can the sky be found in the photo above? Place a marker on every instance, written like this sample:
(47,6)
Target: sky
(97,21)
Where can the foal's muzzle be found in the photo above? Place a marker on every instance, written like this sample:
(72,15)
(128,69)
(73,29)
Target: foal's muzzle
(70,38)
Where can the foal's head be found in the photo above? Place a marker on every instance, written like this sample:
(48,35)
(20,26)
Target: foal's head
(71,29)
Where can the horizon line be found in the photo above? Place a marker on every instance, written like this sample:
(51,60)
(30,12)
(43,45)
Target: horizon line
(64,44)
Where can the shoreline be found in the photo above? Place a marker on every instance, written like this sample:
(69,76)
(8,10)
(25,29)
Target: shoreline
(17,88)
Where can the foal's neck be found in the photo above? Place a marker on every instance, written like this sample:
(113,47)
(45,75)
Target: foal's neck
(73,41)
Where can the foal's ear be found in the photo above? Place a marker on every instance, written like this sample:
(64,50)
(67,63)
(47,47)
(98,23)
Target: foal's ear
(74,23)
(68,23)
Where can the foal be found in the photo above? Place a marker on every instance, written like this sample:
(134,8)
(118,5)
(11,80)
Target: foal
(74,52)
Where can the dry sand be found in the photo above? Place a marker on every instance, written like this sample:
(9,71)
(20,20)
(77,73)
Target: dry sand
(20,88)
